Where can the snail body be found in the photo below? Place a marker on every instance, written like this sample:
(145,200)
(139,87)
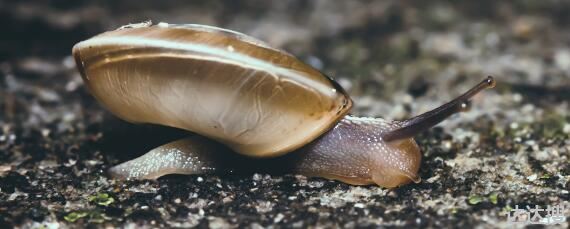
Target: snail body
(242,96)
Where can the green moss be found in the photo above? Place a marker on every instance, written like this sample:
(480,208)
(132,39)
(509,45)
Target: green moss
(473,200)
(453,210)
(102,199)
(476,199)
(498,133)
(74,216)
(97,217)
(494,198)
(93,216)
(545,176)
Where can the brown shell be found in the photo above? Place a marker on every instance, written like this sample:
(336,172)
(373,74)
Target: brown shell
(230,87)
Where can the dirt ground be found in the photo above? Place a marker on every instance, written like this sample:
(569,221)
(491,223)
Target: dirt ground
(396,59)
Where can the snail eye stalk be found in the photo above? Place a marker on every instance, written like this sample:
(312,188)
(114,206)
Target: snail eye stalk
(415,125)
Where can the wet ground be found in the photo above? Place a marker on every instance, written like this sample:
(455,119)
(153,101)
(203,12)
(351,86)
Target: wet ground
(396,59)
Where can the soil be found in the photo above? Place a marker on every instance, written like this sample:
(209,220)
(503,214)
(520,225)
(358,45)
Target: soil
(396,59)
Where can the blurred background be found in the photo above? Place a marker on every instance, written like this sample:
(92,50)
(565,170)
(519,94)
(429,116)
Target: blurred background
(395,58)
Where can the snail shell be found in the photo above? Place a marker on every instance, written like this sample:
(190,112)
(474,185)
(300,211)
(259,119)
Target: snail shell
(257,100)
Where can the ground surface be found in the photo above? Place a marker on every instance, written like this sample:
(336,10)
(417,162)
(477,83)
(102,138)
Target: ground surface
(396,59)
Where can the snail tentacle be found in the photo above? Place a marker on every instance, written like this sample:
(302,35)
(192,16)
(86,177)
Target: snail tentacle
(415,125)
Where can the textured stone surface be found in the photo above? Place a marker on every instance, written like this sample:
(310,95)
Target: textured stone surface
(395,59)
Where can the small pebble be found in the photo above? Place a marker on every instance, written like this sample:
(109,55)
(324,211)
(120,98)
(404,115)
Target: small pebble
(517,97)
(562,59)
(278,218)
(566,128)
(446,145)
(532,177)
(433,179)
(45,132)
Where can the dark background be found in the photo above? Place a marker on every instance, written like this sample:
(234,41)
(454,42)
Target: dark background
(396,59)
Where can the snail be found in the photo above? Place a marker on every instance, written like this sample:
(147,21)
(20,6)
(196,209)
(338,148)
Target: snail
(239,96)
